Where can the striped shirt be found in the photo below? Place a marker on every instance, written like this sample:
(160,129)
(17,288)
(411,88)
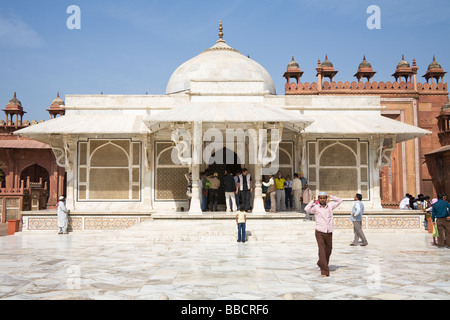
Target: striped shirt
(324,215)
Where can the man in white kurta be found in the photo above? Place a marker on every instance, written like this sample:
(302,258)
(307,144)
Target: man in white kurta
(297,192)
(63,220)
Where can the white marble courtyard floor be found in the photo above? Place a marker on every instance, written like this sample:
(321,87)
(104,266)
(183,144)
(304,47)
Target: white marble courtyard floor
(207,264)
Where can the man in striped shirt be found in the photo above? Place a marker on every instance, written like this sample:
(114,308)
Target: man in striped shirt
(323,213)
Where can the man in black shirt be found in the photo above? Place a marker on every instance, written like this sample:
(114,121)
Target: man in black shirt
(245,187)
(230,192)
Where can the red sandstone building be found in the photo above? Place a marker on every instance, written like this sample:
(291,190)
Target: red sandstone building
(417,166)
(30,178)
(438,160)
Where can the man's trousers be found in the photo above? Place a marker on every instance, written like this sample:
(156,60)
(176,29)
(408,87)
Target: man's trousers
(325,244)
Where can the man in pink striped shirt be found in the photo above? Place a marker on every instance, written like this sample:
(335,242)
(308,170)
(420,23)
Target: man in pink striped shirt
(323,214)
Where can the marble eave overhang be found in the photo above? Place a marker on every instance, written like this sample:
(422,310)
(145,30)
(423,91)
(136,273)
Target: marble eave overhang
(221,113)
(86,125)
(362,125)
(311,121)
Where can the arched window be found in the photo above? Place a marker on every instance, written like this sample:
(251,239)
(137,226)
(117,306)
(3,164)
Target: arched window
(284,161)
(339,167)
(109,170)
(170,181)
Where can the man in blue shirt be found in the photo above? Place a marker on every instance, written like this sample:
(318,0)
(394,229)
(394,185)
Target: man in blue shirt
(441,216)
(356,217)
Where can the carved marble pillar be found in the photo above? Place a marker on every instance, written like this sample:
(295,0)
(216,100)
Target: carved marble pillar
(267,152)
(380,152)
(258,201)
(301,151)
(147,147)
(375,175)
(197,153)
(65,153)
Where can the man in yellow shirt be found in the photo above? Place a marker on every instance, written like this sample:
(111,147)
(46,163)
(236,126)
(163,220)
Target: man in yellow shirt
(281,195)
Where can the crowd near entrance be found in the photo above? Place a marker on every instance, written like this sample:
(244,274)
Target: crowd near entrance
(222,168)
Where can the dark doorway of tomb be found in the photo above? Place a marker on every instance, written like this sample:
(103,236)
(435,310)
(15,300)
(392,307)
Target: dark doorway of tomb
(232,165)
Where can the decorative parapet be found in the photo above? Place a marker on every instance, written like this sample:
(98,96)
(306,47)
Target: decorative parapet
(365,88)
(14,191)
(11,127)
(48,221)
(383,222)
(24,189)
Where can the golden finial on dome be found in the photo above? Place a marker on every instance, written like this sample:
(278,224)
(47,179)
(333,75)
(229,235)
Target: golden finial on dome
(220,32)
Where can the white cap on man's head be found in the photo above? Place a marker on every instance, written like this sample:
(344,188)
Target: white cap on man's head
(61,198)
(322,194)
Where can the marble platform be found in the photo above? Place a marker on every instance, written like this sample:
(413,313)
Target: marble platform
(183,260)
(46,220)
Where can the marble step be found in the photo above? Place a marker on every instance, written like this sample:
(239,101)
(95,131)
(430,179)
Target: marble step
(219,230)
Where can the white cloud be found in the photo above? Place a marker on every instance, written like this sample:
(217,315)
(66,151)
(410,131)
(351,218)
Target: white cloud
(15,32)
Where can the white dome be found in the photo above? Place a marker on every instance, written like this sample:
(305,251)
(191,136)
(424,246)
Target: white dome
(219,63)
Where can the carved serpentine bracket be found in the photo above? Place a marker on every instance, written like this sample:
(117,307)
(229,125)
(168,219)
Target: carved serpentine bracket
(182,147)
(385,149)
(63,153)
(147,145)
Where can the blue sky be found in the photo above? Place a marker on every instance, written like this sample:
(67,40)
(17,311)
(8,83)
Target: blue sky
(132,47)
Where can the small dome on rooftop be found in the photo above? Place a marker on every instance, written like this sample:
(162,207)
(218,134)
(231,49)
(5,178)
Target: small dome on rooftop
(58,101)
(403,63)
(293,64)
(364,64)
(326,63)
(434,64)
(446,107)
(14,101)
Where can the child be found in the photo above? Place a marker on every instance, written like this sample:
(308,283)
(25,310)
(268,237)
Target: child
(241,219)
